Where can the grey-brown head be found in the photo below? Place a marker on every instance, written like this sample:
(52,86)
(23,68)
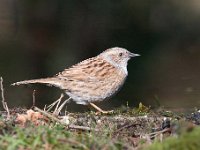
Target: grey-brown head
(118,57)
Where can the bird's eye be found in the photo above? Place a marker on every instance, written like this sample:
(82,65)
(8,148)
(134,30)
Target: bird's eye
(120,54)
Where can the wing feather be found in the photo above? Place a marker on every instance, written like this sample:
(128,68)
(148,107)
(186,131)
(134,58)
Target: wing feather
(91,70)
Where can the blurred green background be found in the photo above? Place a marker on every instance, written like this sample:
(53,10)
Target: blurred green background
(40,38)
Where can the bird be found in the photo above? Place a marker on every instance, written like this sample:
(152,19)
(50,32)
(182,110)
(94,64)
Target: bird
(92,80)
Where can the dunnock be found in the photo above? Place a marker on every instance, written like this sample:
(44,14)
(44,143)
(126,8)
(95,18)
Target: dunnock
(93,79)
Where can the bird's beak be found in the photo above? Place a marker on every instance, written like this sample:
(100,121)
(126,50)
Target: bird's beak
(134,55)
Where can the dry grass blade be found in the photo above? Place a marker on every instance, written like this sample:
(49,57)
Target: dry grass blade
(54,103)
(58,109)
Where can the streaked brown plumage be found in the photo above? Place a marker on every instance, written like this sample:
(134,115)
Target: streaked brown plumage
(93,79)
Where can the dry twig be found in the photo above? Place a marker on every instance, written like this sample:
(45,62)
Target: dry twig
(82,128)
(54,103)
(126,127)
(4,103)
(33,105)
(154,134)
(58,107)
(61,122)
(48,115)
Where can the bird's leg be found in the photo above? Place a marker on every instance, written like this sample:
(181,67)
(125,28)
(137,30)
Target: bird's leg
(99,109)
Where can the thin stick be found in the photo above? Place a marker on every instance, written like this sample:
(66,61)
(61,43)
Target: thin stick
(2,94)
(82,128)
(58,103)
(125,127)
(4,103)
(59,121)
(54,103)
(48,115)
(33,105)
(154,134)
(58,110)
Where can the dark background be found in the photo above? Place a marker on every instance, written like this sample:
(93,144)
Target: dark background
(40,38)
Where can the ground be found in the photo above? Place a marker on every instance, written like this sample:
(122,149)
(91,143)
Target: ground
(126,128)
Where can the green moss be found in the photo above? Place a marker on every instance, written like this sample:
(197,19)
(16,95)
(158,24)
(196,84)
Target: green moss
(57,137)
(141,110)
(186,141)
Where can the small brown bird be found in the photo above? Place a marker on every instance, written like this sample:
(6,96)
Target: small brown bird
(92,80)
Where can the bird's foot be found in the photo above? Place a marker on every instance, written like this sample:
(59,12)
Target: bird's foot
(99,110)
(104,112)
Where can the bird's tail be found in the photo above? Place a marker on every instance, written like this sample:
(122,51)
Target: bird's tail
(50,81)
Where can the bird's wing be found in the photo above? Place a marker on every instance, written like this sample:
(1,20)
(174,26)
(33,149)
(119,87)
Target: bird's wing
(90,70)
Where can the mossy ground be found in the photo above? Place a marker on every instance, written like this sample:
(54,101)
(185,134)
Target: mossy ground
(186,141)
(126,128)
